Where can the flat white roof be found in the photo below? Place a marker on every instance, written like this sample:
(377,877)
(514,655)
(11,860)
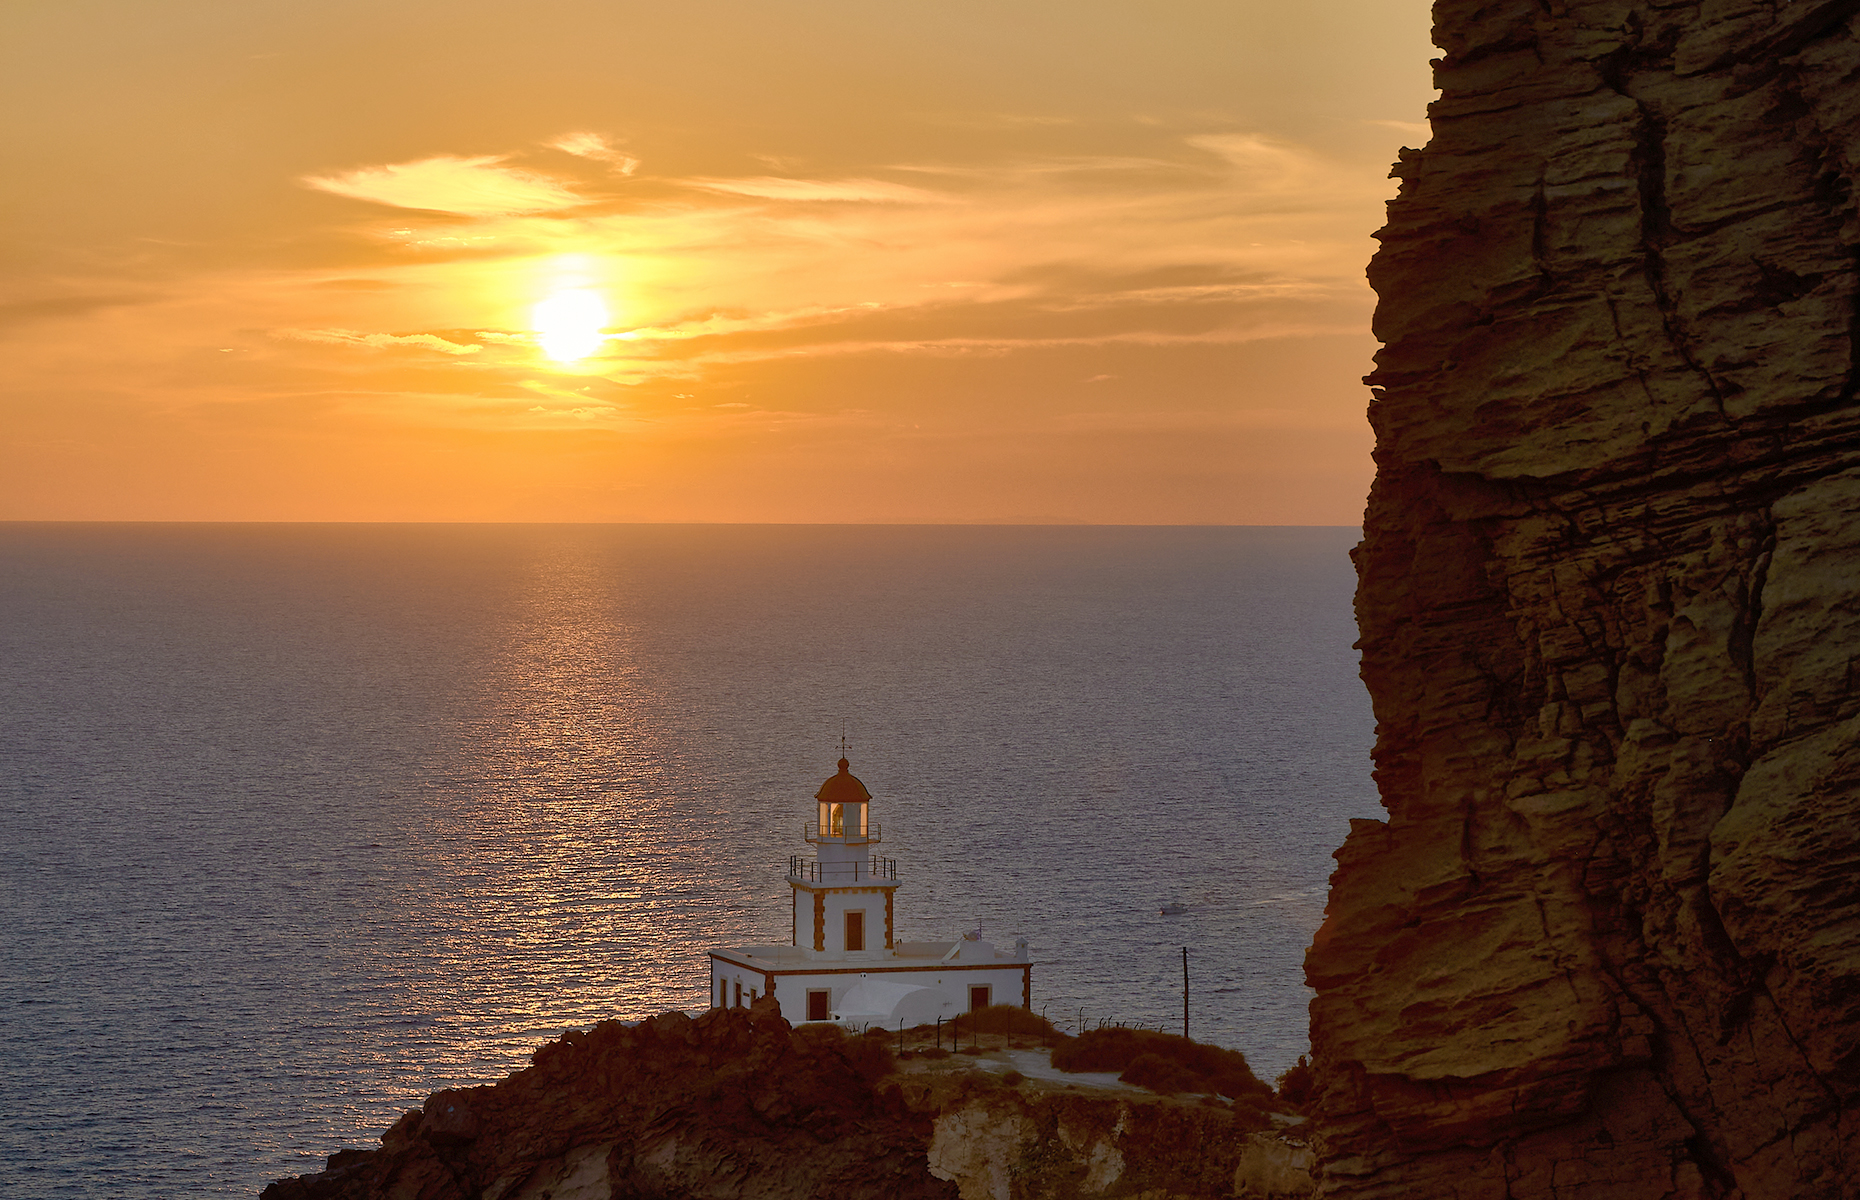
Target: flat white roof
(907,956)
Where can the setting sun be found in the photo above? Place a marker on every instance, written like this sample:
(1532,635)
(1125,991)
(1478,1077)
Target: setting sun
(568,324)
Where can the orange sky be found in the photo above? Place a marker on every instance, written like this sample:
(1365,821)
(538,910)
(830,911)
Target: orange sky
(835,261)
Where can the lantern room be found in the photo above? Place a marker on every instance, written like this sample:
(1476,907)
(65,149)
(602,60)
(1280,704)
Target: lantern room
(844,807)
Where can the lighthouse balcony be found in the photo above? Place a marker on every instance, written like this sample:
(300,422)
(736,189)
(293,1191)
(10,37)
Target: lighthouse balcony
(841,835)
(872,870)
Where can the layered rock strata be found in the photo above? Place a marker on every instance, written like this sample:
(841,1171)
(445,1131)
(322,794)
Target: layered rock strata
(1607,941)
(735,1104)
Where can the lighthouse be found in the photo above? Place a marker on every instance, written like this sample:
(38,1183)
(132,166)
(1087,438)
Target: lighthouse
(844,962)
(844,897)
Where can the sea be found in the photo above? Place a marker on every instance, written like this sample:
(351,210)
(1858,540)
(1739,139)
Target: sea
(300,823)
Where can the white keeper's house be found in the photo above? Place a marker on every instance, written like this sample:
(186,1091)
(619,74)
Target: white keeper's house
(844,963)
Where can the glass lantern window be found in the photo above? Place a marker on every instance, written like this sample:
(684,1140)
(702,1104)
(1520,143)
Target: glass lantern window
(843,820)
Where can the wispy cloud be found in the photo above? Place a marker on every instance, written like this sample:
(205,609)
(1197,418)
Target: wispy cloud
(379,341)
(51,308)
(1417,129)
(1004,345)
(469,187)
(995,120)
(769,187)
(598,147)
(1268,165)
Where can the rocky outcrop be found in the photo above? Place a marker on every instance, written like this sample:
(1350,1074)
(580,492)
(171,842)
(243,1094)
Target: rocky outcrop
(1021,1144)
(735,1104)
(1607,941)
(729,1104)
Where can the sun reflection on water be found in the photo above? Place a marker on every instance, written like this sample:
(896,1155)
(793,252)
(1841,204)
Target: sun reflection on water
(577,820)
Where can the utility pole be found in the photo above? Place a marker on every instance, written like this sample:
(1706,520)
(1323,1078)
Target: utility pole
(1185,991)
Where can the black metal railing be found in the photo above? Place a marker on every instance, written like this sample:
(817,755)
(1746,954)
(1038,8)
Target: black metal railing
(812,870)
(810,832)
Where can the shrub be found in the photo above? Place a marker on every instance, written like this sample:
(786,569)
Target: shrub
(870,1057)
(1250,1115)
(1209,1068)
(1160,1074)
(1296,1084)
(1007,1018)
(816,1034)
(1013,1078)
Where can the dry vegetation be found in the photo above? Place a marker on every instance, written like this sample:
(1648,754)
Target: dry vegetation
(870,1055)
(1011,1019)
(1161,1062)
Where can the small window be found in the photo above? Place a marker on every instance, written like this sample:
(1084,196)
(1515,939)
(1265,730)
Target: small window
(723,994)
(739,993)
(855,929)
(819,1001)
(978,998)
(752,997)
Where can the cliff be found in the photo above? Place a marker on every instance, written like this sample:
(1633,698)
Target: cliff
(734,1103)
(1607,941)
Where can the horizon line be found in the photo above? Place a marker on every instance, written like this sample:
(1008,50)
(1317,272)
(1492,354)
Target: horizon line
(1002,524)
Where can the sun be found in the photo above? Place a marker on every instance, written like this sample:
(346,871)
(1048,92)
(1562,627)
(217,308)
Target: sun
(568,324)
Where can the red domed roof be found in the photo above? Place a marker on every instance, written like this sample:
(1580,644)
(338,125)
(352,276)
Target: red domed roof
(843,788)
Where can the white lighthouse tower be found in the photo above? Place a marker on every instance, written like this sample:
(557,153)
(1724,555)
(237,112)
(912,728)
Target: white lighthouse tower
(844,962)
(844,898)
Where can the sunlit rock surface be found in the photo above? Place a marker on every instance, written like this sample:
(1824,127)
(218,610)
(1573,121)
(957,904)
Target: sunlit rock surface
(734,1104)
(1607,942)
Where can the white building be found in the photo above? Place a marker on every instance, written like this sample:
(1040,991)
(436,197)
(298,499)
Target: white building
(844,963)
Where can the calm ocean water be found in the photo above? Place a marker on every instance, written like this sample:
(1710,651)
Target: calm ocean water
(300,823)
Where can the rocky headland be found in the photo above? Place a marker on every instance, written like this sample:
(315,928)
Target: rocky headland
(736,1103)
(1606,943)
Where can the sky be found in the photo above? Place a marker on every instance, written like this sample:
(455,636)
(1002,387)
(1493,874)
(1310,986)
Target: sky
(756,261)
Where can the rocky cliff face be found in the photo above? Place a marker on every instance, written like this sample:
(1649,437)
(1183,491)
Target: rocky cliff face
(735,1104)
(1607,942)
